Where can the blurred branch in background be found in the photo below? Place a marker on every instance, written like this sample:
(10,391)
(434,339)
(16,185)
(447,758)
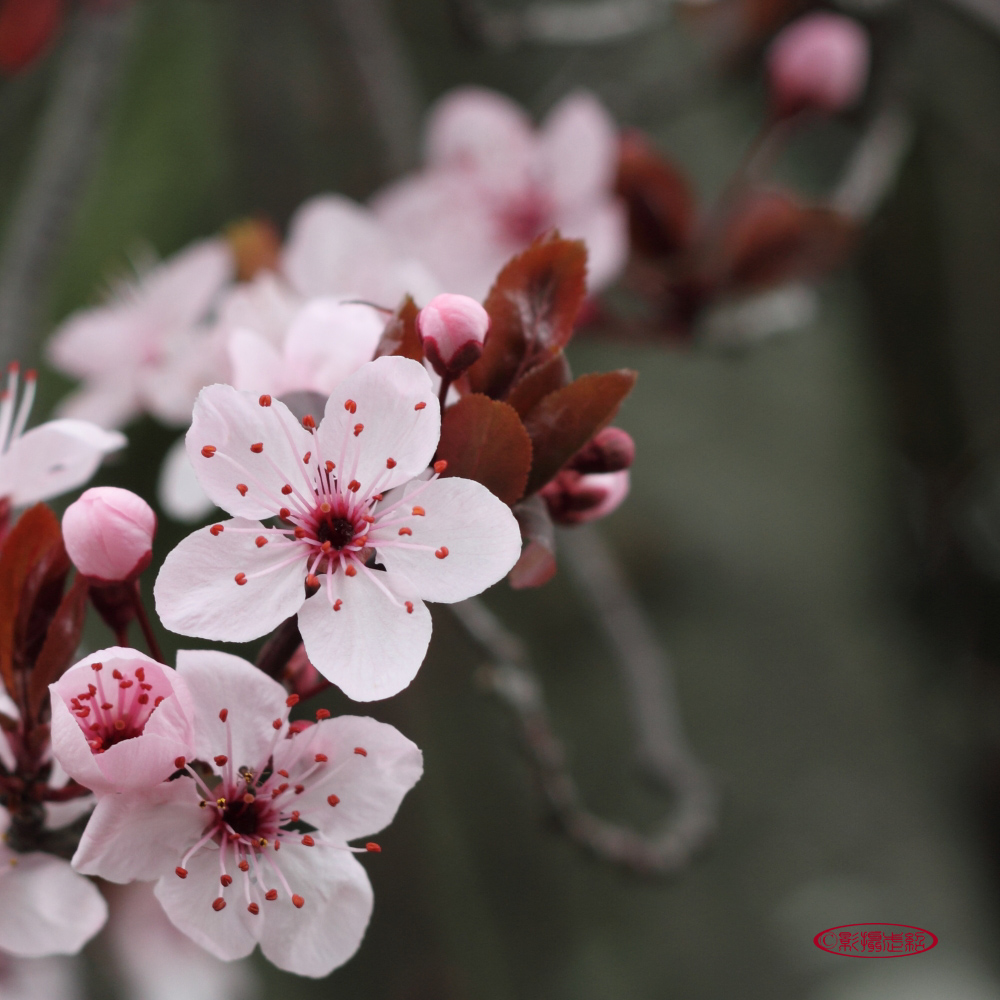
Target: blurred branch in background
(65,151)
(557,23)
(386,78)
(662,749)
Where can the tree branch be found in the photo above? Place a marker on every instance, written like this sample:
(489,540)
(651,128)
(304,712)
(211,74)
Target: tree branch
(64,153)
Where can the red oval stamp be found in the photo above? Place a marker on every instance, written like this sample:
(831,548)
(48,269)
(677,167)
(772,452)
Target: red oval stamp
(875,940)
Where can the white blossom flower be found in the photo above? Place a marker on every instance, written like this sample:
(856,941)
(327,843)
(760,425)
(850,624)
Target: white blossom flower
(361,541)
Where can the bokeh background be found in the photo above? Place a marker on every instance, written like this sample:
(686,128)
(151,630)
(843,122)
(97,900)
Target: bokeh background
(813,528)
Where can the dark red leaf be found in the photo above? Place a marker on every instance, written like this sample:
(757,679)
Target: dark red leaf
(400,337)
(533,307)
(61,641)
(26,28)
(565,420)
(537,564)
(532,387)
(483,439)
(661,207)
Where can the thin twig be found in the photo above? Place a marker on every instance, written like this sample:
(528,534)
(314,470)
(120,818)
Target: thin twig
(557,23)
(512,680)
(61,161)
(386,76)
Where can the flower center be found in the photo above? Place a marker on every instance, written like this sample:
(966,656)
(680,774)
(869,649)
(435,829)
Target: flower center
(107,719)
(338,531)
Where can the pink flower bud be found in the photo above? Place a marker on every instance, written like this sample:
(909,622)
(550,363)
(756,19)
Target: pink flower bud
(452,329)
(820,62)
(108,534)
(573,498)
(610,450)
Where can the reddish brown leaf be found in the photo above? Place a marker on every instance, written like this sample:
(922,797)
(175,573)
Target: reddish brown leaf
(26,29)
(60,645)
(483,439)
(532,387)
(32,564)
(772,238)
(661,207)
(537,564)
(400,337)
(533,306)
(565,420)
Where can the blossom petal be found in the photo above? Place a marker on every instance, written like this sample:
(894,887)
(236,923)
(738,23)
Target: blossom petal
(228,933)
(196,592)
(603,227)
(54,458)
(179,291)
(48,909)
(103,402)
(328,929)
(385,412)
(224,426)
(178,490)
(218,681)
(257,366)
(141,835)
(371,647)
(477,533)
(369,786)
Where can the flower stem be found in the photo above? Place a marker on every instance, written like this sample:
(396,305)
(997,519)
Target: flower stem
(147,629)
(443,393)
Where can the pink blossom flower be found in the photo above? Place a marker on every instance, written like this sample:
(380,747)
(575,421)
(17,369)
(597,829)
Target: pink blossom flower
(360,542)
(48,909)
(492,184)
(452,330)
(146,349)
(50,459)
(820,62)
(108,533)
(226,841)
(120,721)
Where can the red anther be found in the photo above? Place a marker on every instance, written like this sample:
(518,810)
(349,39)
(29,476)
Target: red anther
(277,724)
(419,512)
(312,581)
(107,706)
(354,486)
(358,428)
(30,375)
(217,529)
(338,604)
(223,714)
(242,487)
(97,666)
(351,406)
(390,463)
(226,880)
(240,578)
(326,546)
(298,901)
(249,798)
(321,758)
(286,489)
(159,698)
(283,773)
(349,570)
(373,848)
(219,904)
(221,759)
(307,841)
(117,674)
(409,607)
(284,513)
(179,762)
(257,448)
(181,872)
(260,541)
(309,422)
(143,699)
(378,497)
(406,531)
(254,909)
(244,866)
(264,400)
(271,895)
(140,674)
(419,406)
(280,790)
(292,700)
(442,552)
(440,465)
(330,466)
(322,713)
(332,799)
(306,457)
(295,815)
(209,450)
(300,532)
(368,519)
(361,751)
(13,368)
(299,789)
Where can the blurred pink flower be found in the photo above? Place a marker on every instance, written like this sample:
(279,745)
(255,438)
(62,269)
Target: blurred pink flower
(342,493)
(234,867)
(492,183)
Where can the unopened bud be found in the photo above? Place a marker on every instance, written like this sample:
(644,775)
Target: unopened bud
(452,329)
(573,498)
(109,533)
(818,62)
(610,450)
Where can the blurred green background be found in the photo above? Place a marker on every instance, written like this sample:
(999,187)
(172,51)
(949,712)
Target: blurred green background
(829,624)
